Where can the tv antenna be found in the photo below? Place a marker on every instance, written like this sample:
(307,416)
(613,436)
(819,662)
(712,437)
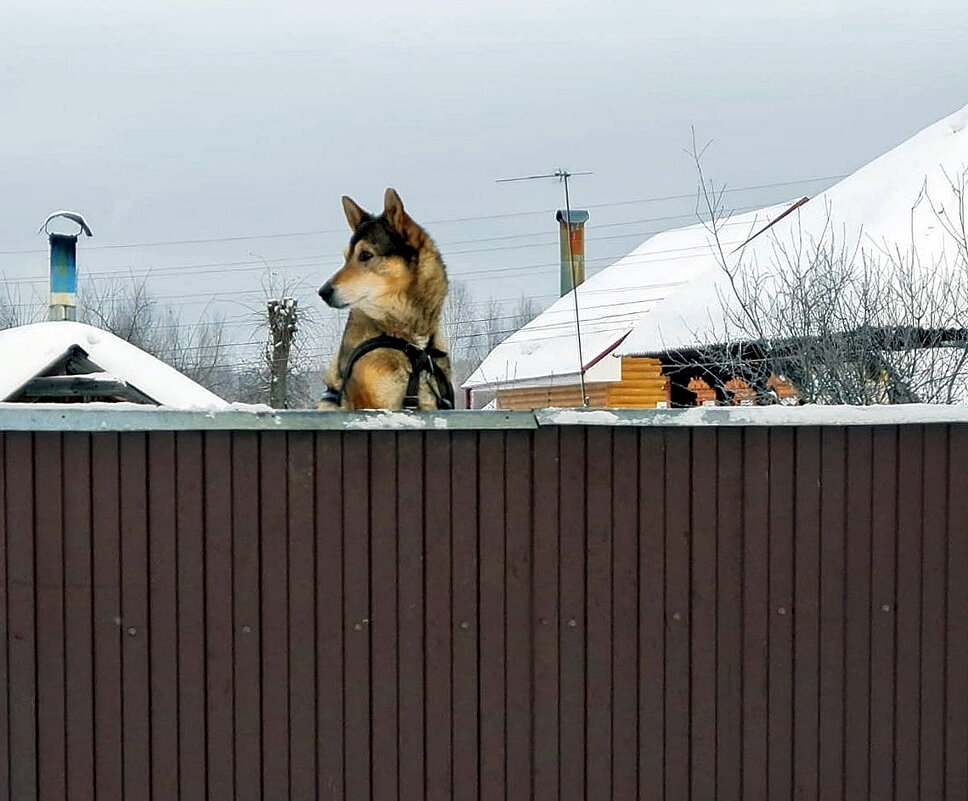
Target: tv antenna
(562,176)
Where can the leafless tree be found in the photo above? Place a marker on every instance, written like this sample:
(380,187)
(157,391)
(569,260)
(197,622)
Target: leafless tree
(128,310)
(842,321)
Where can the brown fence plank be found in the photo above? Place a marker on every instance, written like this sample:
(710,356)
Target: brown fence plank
(78,611)
(191,613)
(883,599)
(329,614)
(302,616)
(678,536)
(136,691)
(48,530)
(246,590)
(410,613)
(464,622)
(107,616)
(653,617)
(625,630)
(545,568)
(383,626)
(933,629)
(806,615)
(956,700)
(858,613)
(781,613)
(910,498)
(437,609)
(356,611)
(703,576)
(521,625)
(572,625)
(163,603)
(274,536)
(494,606)
(832,587)
(4,632)
(598,613)
(21,615)
(729,613)
(756,614)
(220,688)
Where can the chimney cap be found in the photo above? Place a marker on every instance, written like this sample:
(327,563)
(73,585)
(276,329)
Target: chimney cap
(577,216)
(73,216)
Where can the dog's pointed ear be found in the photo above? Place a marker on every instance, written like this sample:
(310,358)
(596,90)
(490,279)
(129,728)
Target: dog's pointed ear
(398,218)
(354,214)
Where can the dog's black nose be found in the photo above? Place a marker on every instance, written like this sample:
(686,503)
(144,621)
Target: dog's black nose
(326,292)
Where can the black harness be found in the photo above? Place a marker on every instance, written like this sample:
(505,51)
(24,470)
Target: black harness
(421,361)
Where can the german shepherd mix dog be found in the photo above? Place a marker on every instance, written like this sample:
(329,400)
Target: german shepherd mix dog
(394,283)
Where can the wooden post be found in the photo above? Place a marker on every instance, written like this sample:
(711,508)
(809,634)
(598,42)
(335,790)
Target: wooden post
(283,318)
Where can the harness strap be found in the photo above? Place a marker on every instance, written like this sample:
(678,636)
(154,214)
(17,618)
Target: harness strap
(421,361)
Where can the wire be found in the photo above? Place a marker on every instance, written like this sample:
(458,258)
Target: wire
(444,221)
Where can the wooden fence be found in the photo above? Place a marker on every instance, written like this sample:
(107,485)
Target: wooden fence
(548,612)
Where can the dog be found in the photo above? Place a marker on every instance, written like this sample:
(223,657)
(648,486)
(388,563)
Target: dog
(394,283)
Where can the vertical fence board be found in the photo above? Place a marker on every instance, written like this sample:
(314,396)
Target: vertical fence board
(247,592)
(625,630)
(107,616)
(910,497)
(956,663)
(520,618)
(302,616)
(464,623)
(220,688)
(329,616)
(832,618)
(437,609)
(781,613)
(572,624)
(598,613)
(48,531)
(5,632)
(79,666)
(806,615)
(756,614)
(883,599)
(678,589)
(163,605)
(356,611)
(136,691)
(410,614)
(933,632)
(858,614)
(191,613)
(653,617)
(495,609)
(547,482)
(729,613)
(384,623)
(702,669)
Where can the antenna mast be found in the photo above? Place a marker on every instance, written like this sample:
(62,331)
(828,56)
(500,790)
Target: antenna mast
(563,175)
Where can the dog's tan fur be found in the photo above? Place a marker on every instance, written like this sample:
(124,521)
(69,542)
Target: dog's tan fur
(394,282)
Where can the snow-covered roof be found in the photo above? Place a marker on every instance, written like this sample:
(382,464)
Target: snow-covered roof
(887,206)
(610,303)
(29,350)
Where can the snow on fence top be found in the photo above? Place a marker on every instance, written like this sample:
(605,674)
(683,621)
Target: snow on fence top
(132,417)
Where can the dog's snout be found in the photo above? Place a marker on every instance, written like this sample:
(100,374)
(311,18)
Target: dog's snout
(326,292)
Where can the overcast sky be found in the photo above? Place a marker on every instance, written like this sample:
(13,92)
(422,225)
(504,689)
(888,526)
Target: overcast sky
(177,120)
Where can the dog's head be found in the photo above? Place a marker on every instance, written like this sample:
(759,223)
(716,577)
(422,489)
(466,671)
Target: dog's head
(381,259)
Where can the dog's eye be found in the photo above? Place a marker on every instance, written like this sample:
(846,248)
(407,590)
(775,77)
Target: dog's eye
(365,255)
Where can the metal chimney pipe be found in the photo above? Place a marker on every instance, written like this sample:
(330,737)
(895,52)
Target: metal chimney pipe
(63,266)
(571,235)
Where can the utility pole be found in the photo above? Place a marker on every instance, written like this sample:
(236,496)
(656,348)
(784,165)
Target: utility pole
(283,319)
(563,176)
